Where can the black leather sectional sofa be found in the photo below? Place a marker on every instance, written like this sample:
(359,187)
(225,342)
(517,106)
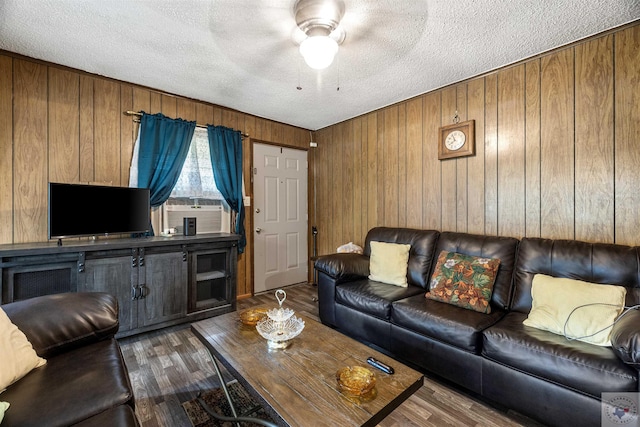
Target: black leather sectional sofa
(537,373)
(85,381)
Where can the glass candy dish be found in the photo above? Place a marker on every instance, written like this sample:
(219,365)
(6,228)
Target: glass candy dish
(280,314)
(280,333)
(280,326)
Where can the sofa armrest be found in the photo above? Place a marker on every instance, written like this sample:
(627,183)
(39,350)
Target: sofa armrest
(344,267)
(58,323)
(333,270)
(625,338)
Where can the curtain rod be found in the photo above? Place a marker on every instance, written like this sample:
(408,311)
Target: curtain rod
(139,114)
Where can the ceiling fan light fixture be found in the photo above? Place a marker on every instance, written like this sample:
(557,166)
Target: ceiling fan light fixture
(318,19)
(318,51)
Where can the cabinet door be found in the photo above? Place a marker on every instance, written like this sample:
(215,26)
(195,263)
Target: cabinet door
(25,279)
(117,276)
(210,282)
(162,279)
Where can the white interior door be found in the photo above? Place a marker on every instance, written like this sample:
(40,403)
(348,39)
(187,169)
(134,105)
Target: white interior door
(279,216)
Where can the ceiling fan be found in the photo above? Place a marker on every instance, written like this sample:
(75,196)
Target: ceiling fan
(371,35)
(318,30)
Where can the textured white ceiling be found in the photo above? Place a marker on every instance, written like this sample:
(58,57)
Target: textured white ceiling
(240,53)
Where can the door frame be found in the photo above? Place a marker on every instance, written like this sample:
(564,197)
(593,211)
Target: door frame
(310,196)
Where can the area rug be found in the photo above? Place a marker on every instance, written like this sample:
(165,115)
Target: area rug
(217,401)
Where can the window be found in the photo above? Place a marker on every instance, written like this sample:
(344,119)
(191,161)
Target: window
(196,179)
(195,194)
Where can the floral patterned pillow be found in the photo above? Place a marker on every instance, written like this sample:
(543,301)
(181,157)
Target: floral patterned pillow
(464,280)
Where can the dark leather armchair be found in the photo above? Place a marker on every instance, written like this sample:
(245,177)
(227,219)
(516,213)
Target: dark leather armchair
(85,381)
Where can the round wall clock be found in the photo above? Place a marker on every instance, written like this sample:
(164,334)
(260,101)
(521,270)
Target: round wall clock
(457,140)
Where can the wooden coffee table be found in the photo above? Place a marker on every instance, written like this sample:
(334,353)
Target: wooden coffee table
(297,385)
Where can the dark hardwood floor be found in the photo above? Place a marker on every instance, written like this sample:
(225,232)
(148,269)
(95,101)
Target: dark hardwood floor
(170,366)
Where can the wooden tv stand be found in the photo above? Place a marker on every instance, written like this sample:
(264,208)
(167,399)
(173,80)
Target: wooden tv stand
(159,281)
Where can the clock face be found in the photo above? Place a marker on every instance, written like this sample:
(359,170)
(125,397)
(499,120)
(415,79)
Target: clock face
(455,140)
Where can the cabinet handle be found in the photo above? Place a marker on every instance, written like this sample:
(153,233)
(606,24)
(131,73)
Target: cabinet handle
(81,262)
(134,293)
(142,292)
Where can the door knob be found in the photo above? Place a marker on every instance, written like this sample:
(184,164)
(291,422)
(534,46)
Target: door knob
(258,229)
(258,210)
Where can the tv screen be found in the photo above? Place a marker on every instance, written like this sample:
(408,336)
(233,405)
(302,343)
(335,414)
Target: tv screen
(95,210)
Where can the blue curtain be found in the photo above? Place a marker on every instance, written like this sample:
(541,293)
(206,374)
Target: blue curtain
(164,144)
(225,146)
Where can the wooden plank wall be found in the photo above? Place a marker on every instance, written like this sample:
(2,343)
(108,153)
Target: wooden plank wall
(557,149)
(557,154)
(58,124)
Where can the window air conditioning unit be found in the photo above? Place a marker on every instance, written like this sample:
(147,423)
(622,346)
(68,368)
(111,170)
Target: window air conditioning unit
(209,218)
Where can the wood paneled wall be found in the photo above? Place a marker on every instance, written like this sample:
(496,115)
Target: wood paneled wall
(557,149)
(63,125)
(557,154)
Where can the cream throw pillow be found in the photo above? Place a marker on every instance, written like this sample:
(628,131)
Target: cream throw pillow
(388,263)
(555,298)
(3,407)
(16,353)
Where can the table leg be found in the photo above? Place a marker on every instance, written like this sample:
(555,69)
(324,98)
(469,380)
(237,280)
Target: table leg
(235,417)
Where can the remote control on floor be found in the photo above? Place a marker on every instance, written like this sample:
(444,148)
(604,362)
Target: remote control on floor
(378,364)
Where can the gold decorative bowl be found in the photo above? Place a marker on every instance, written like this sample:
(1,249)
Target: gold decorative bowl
(355,380)
(252,316)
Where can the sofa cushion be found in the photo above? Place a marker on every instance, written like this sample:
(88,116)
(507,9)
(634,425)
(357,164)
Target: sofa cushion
(502,248)
(447,323)
(3,407)
(591,262)
(584,367)
(373,298)
(65,321)
(422,249)
(120,416)
(388,263)
(575,309)
(16,353)
(464,281)
(70,388)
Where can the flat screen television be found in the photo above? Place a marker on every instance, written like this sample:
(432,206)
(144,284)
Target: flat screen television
(76,210)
